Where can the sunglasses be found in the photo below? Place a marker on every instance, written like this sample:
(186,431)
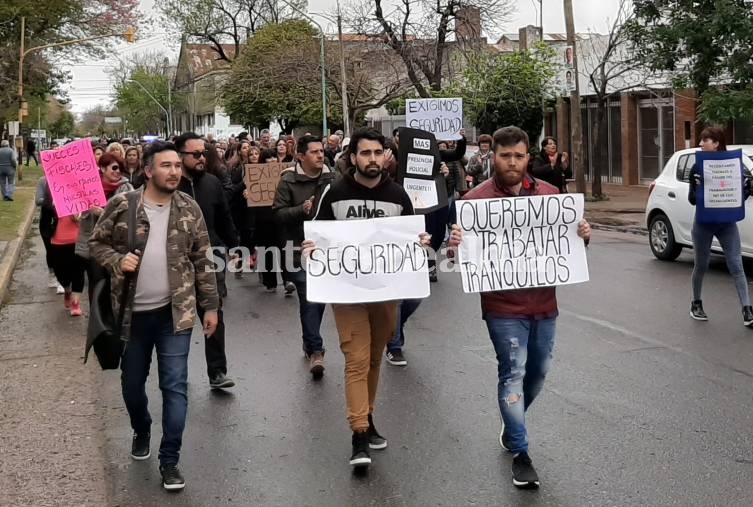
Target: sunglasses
(196,154)
(114,167)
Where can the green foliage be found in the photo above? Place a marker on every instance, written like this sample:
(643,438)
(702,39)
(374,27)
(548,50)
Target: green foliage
(507,89)
(727,103)
(701,44)
(140,110)
(277,77)
(64,125)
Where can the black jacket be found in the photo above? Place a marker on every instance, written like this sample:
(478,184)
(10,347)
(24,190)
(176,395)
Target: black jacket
(555,175)
(346,199)
(207,190)
(295,188)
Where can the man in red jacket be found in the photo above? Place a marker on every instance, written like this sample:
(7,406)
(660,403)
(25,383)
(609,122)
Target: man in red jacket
(521,322)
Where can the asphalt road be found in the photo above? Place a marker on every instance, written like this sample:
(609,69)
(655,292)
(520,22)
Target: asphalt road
(643,405)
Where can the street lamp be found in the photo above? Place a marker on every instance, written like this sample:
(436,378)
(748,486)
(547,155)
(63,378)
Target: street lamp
(321,63)
(168,118)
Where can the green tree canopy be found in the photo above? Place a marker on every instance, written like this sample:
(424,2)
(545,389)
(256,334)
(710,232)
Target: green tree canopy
(508,89)
(702,44)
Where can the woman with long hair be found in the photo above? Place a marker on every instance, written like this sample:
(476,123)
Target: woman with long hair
(114,181)
(133,171)
(552,166)
(243,215)
(116,148)
(712,139)
(281,153)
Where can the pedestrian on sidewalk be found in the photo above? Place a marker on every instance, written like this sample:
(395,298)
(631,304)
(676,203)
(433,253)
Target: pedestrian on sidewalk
(206,189)
(8,165)
(47,223)
(712,139)
(365,328)
(521,322)
(298,193)
(172,272)
(31,151)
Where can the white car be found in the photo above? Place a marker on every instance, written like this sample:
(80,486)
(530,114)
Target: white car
(669,215)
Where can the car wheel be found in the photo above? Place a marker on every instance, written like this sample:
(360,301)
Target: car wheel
(661,237)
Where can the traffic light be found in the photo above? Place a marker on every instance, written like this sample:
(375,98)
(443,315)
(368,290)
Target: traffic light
(130,34)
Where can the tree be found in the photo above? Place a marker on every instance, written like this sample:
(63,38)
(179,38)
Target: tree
(63,125)
(612,68)
(508,89)
(219,22)
(140,100)
(93,123)
(702,44)
(422,32)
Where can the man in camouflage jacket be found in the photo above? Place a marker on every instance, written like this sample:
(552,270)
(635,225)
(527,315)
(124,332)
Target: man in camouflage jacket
(169,273)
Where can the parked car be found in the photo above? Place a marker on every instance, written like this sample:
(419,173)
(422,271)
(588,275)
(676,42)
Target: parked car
(669,215)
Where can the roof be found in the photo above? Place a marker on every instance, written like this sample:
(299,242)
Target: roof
(201,59)
(548,37)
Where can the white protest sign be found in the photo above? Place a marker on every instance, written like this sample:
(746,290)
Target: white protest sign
(521,242)
(441,117)
(722,183)
(366,261)
(422,193)
(422,165)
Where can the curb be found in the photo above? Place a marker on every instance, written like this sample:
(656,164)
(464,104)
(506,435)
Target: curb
(13,251)
(639,231)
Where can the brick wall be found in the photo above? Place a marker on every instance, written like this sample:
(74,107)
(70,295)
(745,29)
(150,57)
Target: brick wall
(685,111)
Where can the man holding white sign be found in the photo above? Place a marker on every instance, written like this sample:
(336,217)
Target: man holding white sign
(365,323)
(521,321)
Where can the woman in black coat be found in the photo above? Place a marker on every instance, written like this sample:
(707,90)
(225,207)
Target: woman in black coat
(551,166)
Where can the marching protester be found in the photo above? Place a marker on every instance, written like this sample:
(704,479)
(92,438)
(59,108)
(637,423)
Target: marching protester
(297,195)
(133,171)
(551,166)
(332,149)
(243,215)
(728,235)
(521,322)
(364,329)
(480,167)
(117,148)
(281,153)
(98,151)
(172,271)
(207,190)
(111,169)
(47,222)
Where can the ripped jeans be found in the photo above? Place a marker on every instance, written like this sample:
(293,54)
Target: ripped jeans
(524,352)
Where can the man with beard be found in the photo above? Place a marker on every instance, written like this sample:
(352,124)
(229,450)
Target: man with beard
(207,190)
(365,190)
(520,322)
(168,263)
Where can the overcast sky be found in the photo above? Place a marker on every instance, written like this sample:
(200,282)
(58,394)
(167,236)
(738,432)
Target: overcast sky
(91,84)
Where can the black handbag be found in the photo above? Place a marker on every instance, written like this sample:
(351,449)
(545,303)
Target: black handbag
(103,328)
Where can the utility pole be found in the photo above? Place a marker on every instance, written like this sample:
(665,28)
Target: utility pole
(576,145)
(344,85)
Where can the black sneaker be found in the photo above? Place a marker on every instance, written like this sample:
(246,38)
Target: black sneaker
(376,441)
(433,274)
(140,447)
(289,288)
(524,476)
(396,358)
(360,457)
(221,381)
(748,316)
(172,478)
(696,311)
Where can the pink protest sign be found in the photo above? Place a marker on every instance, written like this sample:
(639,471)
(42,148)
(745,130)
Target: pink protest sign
(73,177)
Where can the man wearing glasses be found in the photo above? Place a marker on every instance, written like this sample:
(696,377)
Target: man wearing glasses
(206,189)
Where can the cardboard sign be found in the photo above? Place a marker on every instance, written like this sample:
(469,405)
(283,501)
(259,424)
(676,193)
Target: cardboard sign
(521,242)
(441,117)
(261,182)
(719,198)
(418,170)
(73,177)
(366,261)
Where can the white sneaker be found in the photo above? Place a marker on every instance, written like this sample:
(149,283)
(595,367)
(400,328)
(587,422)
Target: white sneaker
(60,289)
(52,282)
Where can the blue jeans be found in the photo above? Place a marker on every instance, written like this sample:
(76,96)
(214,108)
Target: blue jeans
(311,315)
(151,330)
(729,239)
(524,353)
(404,310)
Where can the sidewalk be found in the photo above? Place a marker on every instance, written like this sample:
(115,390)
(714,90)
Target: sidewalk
(624,211)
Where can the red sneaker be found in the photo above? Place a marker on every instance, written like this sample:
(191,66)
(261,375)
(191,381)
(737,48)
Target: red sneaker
(67,300)
(76,309)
